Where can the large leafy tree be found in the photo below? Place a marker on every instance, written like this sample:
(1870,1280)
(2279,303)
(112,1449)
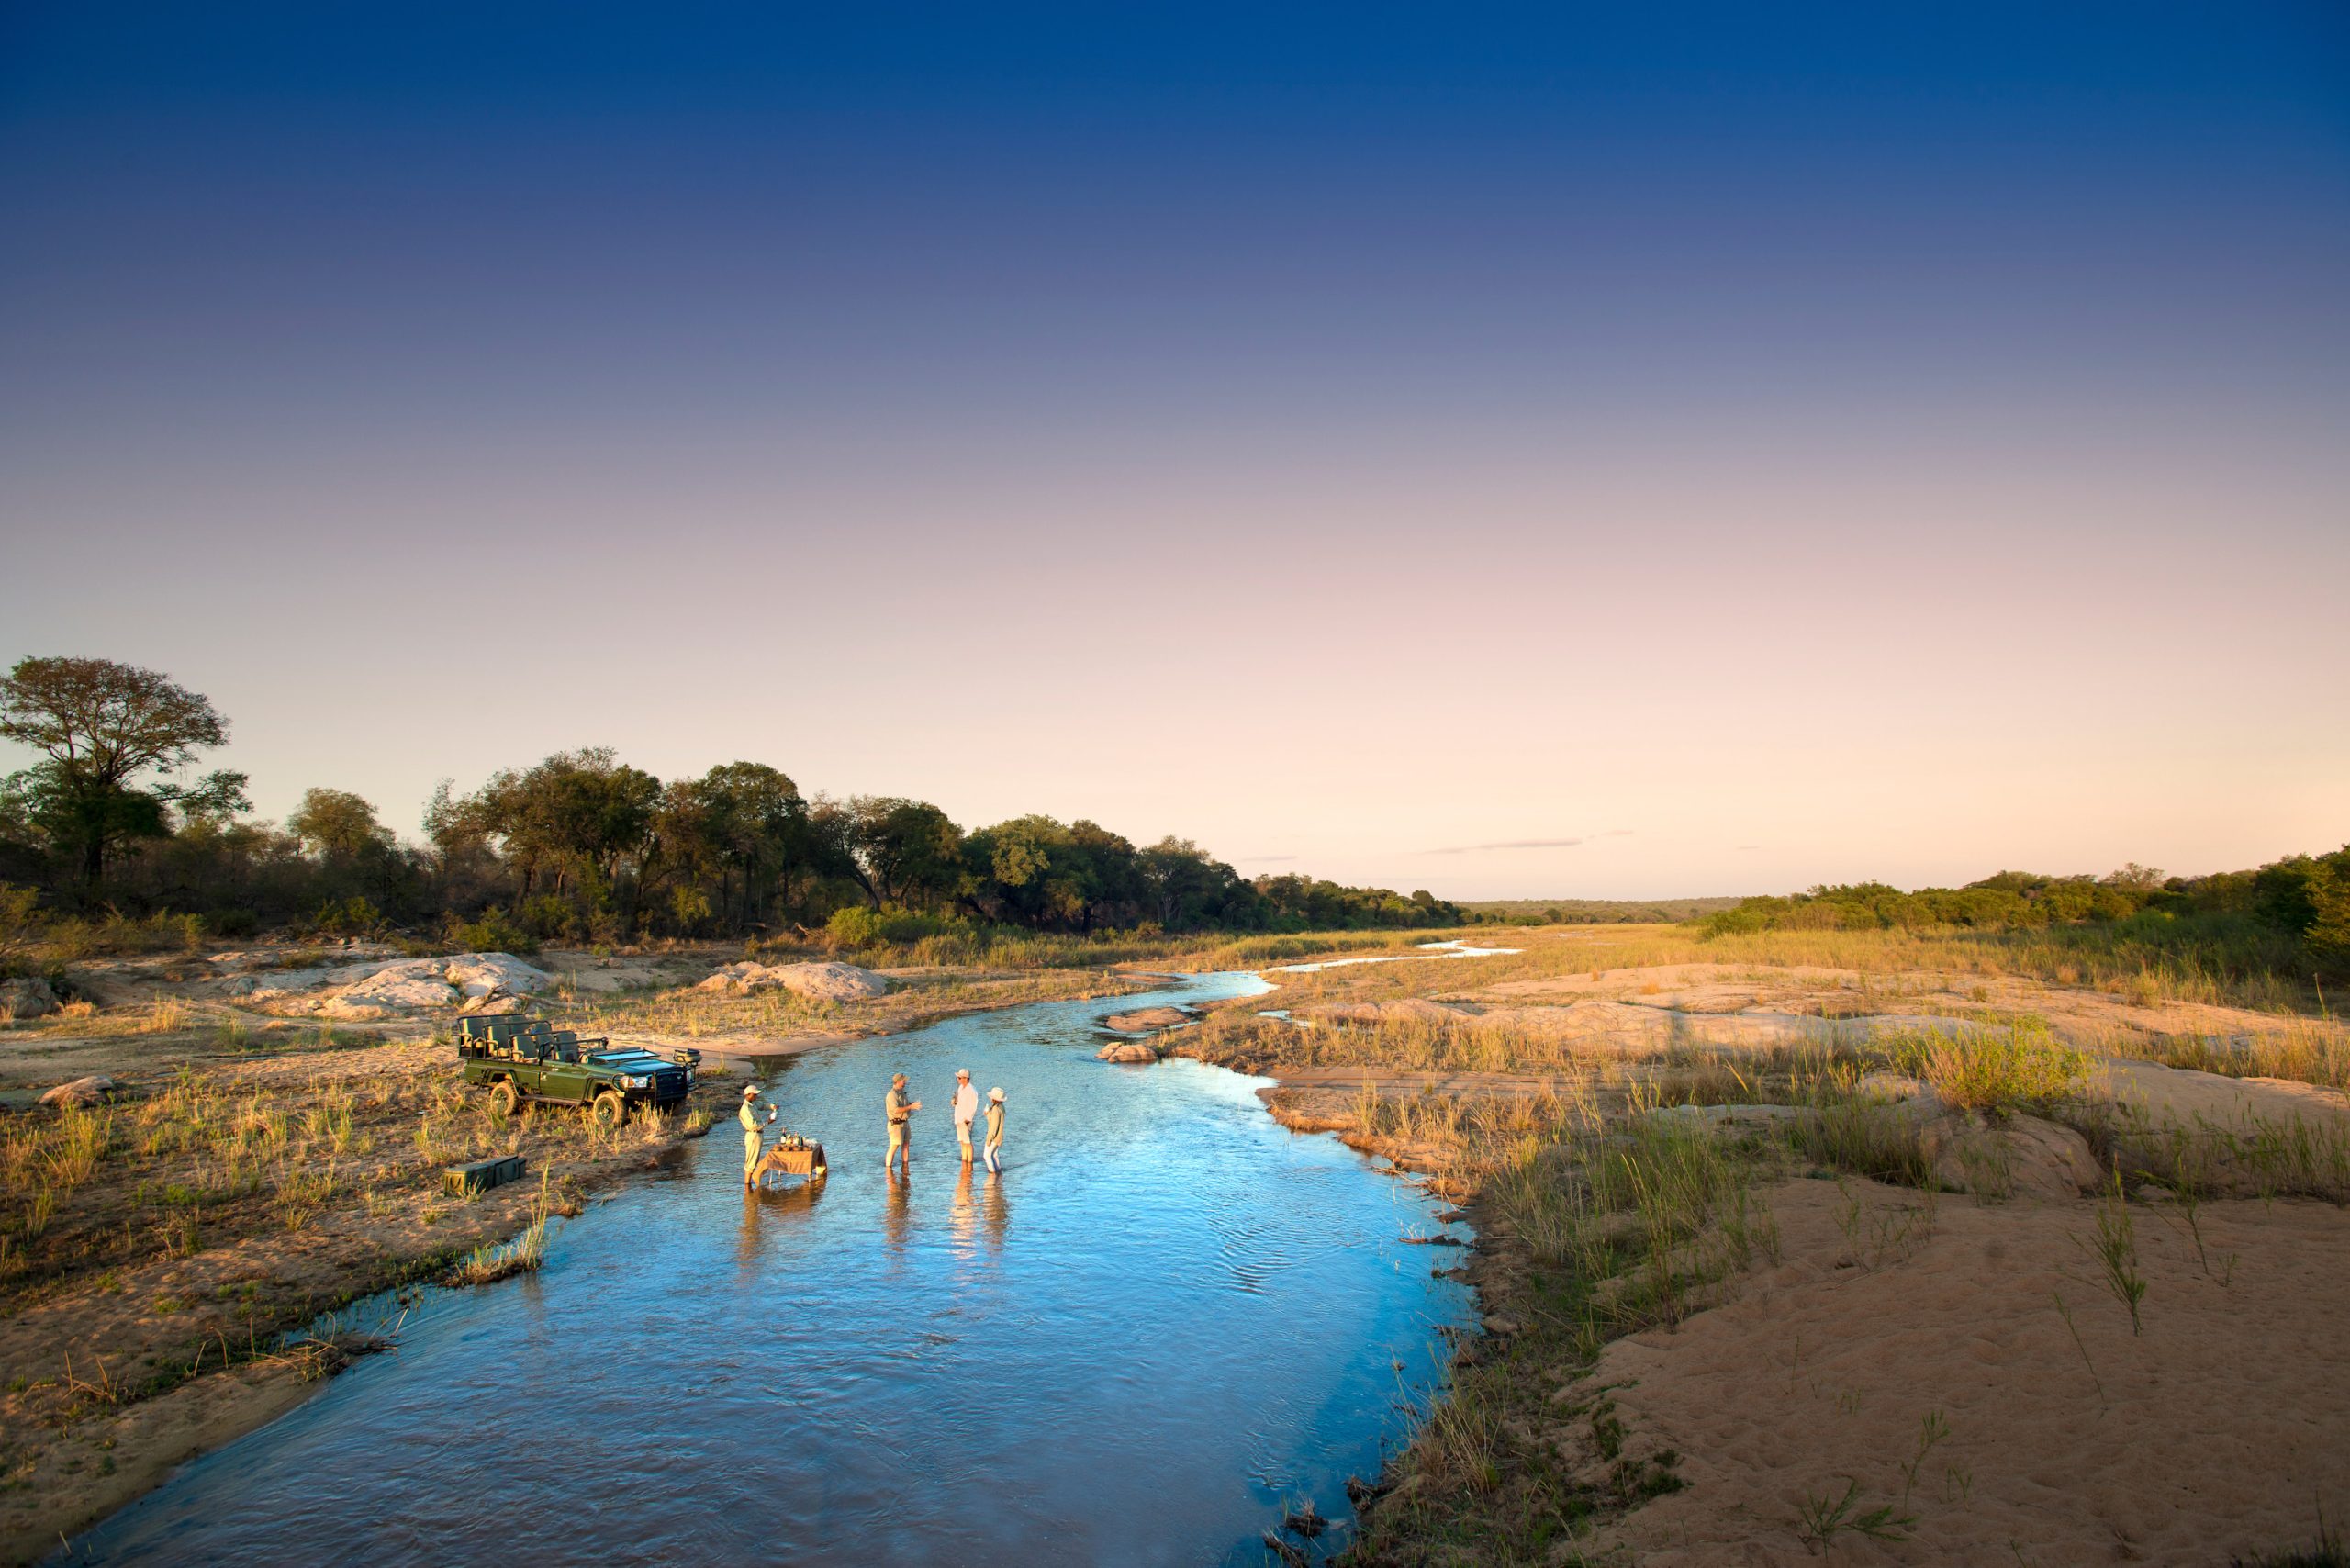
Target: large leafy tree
(578,820)
(742,824)
(1186,888)
(338,824)
(906,852)
(114,741)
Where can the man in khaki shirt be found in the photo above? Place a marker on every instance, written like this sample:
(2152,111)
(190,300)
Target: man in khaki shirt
(899,1111)
(752,1128)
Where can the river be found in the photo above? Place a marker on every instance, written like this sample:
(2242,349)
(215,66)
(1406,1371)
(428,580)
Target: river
(1168,1319)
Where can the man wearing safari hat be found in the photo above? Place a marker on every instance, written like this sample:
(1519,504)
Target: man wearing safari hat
(752,1128)
(898,1110)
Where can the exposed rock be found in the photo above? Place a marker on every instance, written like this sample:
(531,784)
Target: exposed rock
(26,998)
(2023,1157)
(1127,1051)
(495,1006)
(282,985)
(479,975)
(96,1089)
(828,981)
(1146,1019)
(415,984)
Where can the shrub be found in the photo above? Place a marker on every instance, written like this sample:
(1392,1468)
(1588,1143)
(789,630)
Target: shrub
(236,923)
(689,908)
(354,916)
(19,925)
(494,931)
(549,916)
(1998,1071)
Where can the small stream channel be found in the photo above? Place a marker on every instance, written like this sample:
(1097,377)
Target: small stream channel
(1165,1320)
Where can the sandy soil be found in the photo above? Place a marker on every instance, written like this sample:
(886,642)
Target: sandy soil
(2219,1429)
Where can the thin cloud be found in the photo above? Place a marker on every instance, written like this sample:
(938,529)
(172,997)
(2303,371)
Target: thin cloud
(1509,843)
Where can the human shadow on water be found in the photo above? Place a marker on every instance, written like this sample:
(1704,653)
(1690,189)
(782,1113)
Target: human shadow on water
(896,1214)
(965,1216)
(995,1211)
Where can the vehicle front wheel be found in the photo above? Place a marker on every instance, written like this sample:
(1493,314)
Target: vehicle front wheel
(610,1109)
(505,1099)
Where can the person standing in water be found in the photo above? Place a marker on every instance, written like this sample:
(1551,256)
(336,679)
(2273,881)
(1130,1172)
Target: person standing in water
(752,1128)
(966,1107)
(995,1129)
(899,1111)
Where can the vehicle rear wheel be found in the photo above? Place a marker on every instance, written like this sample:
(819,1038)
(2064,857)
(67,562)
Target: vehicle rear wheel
(505,1099)
(610,1110)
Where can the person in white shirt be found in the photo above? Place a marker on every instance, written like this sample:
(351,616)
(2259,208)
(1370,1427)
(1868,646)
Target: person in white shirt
(967,1108)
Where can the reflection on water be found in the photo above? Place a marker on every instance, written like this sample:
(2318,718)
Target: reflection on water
(1197,1319)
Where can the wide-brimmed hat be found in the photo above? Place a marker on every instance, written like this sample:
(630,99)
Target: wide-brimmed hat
(995,1093)
(749,1090)
(962,1072)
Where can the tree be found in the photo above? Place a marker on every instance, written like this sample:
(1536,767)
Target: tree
(338,824)
(907,851)
(576,824)
(741,819)
(103,728)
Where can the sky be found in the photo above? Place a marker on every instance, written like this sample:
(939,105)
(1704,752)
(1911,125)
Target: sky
(1527,451)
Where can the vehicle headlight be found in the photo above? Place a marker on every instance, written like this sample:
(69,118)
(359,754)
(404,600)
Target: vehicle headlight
(639,1082)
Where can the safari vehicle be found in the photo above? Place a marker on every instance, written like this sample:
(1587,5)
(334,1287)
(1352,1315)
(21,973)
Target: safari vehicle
(528,1058)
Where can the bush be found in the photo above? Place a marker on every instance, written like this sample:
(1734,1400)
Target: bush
(495,932)
(856,926)
(235,924)
(354,916)
(20,925)
(549,916)
(2000,1072)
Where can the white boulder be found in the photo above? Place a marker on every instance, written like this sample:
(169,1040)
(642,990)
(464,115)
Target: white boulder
(821,982)
(94,1090)
(476,982)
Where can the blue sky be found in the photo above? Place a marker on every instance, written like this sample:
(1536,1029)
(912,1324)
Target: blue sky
(1763,445)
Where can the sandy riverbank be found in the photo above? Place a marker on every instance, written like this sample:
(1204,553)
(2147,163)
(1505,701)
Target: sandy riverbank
(1819,1320)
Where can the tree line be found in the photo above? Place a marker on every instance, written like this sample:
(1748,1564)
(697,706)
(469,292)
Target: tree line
(580,846)
(2301,903)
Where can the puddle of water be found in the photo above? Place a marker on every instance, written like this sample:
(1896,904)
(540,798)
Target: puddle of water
(1167,1318)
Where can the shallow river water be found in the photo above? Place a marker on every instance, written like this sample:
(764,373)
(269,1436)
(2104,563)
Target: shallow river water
(1168,1318)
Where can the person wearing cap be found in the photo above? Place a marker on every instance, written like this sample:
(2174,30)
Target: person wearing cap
(966,1107)
(752,1128)
(899,1111)
(995,1129)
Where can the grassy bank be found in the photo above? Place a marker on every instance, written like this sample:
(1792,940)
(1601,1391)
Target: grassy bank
(1623,1180)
